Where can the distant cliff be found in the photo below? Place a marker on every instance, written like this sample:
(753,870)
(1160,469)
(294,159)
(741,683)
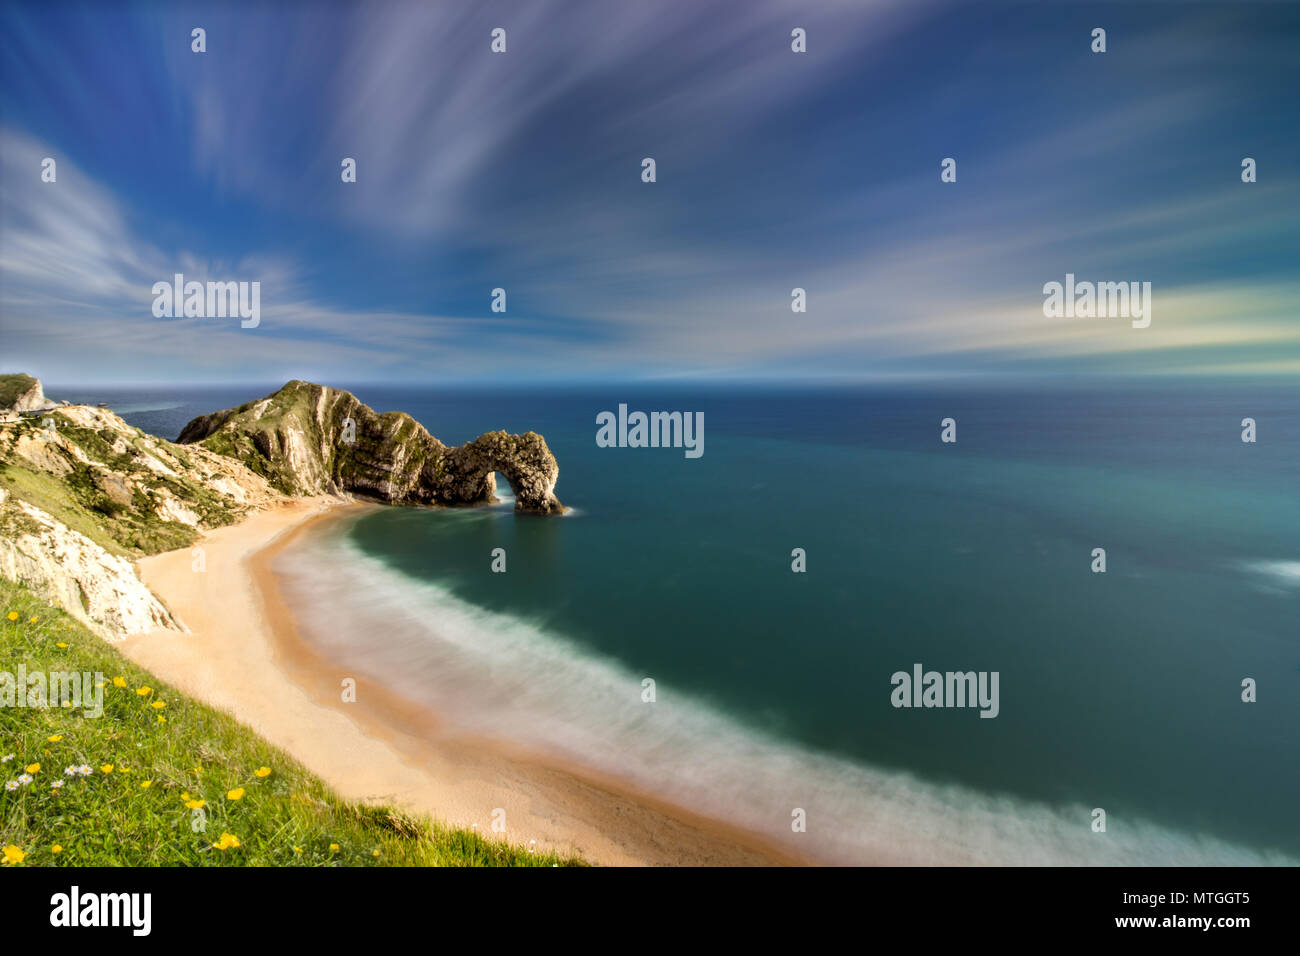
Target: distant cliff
(22,393)
(309,439)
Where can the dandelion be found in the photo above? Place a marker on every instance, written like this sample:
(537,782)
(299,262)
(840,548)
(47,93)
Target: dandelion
(236,794)
(262,772)
(13,855)
(226,841)
(144,691)
(33,768)
(158,704)
(195,804)
(119,681)
(146,784)
(56,849)
(333,847)
(55,739)
(13,615)
(106,768)
(24,778)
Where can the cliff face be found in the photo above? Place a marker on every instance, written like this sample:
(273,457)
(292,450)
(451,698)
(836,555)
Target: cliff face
(22,393)
(68,569)
(309,439)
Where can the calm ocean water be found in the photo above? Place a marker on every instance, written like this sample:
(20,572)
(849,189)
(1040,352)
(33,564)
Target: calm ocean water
(1118,691)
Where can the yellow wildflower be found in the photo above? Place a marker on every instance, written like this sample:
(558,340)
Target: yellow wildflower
(162,719)
(236,794)
(158,704)
(226,842)
(13,616)
(144,691)
(195,804)
(107,768)
(55,739)
(33,768)
(262,772)
(56,849)
(146,784)
(61,644)
(297,849)
(14,855)
(333,847)
(119,681)
(32,619)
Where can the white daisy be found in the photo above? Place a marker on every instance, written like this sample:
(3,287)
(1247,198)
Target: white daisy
(6,758)
(25,778)
(56,784)
(11,785)
(69,771)
(85,770)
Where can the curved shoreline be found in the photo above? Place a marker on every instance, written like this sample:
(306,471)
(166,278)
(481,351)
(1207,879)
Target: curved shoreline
(247,655)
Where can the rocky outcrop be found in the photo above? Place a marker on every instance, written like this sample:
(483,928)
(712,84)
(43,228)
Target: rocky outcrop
(22,393)
(309,439)
(69,570)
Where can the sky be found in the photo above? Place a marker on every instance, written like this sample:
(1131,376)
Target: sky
(522,170)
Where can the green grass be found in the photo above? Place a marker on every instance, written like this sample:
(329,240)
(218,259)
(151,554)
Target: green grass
(109,818)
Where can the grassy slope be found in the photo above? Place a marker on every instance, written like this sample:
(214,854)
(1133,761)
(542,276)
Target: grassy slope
(109,818)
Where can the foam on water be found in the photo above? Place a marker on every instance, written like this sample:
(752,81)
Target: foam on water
(495,674)
(1277,574)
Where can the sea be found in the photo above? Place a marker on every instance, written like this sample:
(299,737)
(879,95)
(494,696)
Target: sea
(724,631)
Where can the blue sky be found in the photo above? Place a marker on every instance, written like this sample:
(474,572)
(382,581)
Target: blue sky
(522,171)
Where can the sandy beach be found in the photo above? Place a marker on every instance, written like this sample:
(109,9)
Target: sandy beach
(243,654)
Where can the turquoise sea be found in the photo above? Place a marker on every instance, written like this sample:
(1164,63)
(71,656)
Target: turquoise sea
(1119,691)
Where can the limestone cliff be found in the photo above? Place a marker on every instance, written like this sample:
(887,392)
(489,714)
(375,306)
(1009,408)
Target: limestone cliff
(22,393)
(68,569)
(309,439)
